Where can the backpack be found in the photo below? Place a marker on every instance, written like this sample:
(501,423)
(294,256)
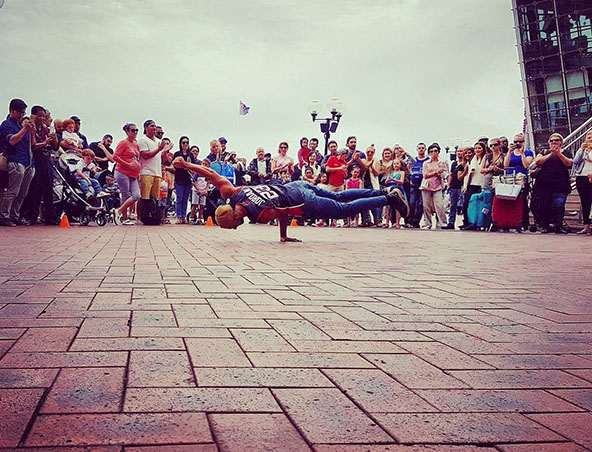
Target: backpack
(151,214)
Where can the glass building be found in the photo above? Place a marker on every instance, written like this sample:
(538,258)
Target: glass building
(555,50)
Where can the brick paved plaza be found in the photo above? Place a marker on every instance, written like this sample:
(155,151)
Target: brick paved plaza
(182,338)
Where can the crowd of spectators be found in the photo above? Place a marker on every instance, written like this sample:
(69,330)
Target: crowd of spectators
(140,169)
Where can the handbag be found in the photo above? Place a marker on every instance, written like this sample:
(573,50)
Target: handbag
(506,190)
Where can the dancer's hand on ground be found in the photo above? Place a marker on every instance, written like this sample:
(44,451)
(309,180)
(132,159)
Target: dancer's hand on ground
(289,239)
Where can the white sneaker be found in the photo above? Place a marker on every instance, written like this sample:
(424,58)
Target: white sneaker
(103,194)
(128,222)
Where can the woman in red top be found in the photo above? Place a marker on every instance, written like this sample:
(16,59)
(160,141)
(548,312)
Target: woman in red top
(127,171)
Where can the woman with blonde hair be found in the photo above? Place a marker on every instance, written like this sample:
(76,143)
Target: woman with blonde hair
(553,184)
(370,180)
(583,172)
(381,168)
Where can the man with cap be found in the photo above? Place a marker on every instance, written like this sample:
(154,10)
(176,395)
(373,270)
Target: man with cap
(151,160)
(223,152)
(264,203)
(17,136)
(76,120)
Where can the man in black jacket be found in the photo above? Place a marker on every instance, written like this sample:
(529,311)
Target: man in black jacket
(260,168)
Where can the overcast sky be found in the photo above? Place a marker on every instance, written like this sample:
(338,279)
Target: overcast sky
(407,70)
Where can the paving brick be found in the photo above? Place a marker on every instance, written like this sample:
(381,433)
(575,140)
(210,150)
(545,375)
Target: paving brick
(376,392)
(298,330)
(536,361)
(320,360)
(414,373)
(585,374)
(66,449)
(469,400)
(200,399)
(216,353)
(183,311)
(260,377)
(259,340)
(11,333)
(400,448)
(154,318)
(86,390)
(5,346)
(579,397)
(16,408)
(64,359)
(178,448)
(224,323)
(327,416)
(159,368)
(39,323)
(127,343)
(118,327)
(575,426)
(519,379)
(98,429)
(533,447)
(256,433)
(21,311)
(459,428)
(331,346)
(151,331)
(443,356)
(27,378)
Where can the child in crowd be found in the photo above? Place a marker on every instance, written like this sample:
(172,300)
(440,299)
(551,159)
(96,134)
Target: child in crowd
(309,176)
(85,169)
(71,141)
(354,183)
(395,179)
(199,192)
(112,189)
(324,184)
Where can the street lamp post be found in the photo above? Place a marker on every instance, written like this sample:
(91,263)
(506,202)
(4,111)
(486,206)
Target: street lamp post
(328,125)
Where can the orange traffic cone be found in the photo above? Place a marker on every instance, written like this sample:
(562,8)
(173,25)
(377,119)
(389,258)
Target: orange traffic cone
(209,223)
(294,223)
(64,223)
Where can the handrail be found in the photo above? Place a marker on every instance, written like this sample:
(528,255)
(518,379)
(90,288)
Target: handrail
(586,125)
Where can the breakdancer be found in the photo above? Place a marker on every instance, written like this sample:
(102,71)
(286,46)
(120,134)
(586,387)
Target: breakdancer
(263,203)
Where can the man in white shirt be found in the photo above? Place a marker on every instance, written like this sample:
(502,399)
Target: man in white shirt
(151,173)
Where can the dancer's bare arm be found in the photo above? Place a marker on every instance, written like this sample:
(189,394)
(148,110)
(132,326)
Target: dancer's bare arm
(221,183)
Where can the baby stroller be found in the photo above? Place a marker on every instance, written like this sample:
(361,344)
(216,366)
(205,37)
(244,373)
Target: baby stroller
(69,197)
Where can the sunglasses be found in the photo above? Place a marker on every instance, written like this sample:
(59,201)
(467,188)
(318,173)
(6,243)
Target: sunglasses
(184,142)
(519,142)
(133,130)
(283,147)
(555,140)
(433,151)
(495,144)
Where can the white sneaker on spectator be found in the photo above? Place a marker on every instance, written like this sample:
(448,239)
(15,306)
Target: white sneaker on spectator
(103,194)
(128,222)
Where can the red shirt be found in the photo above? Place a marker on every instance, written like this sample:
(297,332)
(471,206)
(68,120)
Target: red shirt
(338,177)
(128,152)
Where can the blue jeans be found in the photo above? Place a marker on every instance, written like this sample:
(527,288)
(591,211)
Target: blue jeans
(552,207)
(183,192)
(455,194)
(85,187)
(319,203)
(415,205)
